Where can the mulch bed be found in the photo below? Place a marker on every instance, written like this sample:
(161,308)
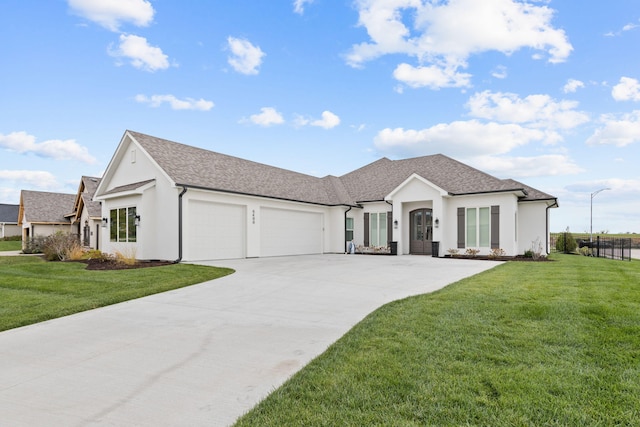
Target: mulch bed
(101,264)
(502,258)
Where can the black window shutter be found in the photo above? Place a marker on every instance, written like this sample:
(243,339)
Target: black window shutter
(366,229)
(495,227)
(389,229)
(461,236)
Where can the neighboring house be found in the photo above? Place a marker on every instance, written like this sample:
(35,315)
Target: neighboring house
(42,213)
(166,200)
(87,213)
(9,220)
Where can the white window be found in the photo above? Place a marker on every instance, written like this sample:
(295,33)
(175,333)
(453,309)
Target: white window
(123,225)
(478,227)
(378,229)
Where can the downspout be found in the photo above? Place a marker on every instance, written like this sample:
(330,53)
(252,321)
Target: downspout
(184,190)
(555,204)
(345,228)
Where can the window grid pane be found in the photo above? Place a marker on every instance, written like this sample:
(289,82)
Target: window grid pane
(471,227)
(382,239)
(373,220)
(131,225)
(484,222)
(113,225)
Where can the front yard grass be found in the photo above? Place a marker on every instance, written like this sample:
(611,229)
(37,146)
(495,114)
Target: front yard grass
(33,290)
(10,245)
(524,344)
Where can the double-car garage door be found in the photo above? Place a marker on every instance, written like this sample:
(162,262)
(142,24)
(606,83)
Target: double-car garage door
(223,231)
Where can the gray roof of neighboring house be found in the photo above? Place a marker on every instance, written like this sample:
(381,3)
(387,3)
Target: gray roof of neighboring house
(9,213)
(197,167)
(42,206)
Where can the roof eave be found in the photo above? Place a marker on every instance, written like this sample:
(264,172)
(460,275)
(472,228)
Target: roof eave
(262,196)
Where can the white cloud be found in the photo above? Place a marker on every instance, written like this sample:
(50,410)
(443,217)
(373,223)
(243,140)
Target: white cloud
(500,72)
(628,186)
(69,149)
(111,14)
(175,103)
(246,58)
(432,76)
(628,89)
(41,180)
(141,55)
(462,139)
(617,130)
(328,120)
(268,116)
(535,110)
(298,5)
(518,167)
(444,34)
(572,85)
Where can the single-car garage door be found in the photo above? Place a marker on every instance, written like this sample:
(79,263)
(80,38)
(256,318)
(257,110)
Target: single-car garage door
(289,232)
(216,231)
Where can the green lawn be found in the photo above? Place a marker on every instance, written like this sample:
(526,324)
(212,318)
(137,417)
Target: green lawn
(524,344)
(10,245)
(33,290)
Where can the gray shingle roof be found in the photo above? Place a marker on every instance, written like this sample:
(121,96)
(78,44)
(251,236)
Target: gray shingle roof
(9,213)
(197,167)
(90,186)
(42,206)
(532,193)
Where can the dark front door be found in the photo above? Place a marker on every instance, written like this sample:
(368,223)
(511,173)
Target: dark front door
(421,230)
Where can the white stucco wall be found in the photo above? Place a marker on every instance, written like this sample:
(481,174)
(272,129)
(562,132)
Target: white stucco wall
(508,203)
(532,225)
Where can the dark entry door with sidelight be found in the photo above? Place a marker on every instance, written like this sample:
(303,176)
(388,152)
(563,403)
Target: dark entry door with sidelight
(421,229)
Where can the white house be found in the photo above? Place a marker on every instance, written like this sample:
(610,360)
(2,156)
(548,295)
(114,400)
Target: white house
(165,200)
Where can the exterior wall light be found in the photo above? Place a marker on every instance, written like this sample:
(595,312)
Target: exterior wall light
(137,220)
(105,222)
(395,224)
(437,222)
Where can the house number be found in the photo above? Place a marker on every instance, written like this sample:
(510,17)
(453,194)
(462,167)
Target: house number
(253,216)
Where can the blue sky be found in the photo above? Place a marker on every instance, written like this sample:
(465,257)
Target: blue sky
(544,92)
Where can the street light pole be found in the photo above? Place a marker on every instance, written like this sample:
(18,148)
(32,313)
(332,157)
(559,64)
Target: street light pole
(591,223)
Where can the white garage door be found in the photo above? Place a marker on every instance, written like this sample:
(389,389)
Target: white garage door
(216,231)
(288,232)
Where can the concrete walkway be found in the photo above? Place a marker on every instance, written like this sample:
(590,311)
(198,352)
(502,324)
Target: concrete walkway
(205,354)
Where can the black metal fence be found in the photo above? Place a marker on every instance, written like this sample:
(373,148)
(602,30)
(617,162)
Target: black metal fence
(603,247)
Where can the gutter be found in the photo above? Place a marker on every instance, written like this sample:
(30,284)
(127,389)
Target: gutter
(184,190)
(345,226)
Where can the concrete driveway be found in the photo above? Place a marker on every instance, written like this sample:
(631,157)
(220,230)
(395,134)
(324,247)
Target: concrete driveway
(205,354)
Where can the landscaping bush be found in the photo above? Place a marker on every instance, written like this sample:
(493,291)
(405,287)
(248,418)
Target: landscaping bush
(566,243)
(12,238)
(60,246)
(34,245)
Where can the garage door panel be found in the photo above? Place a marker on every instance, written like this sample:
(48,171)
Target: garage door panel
(289,232)
(216,230)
